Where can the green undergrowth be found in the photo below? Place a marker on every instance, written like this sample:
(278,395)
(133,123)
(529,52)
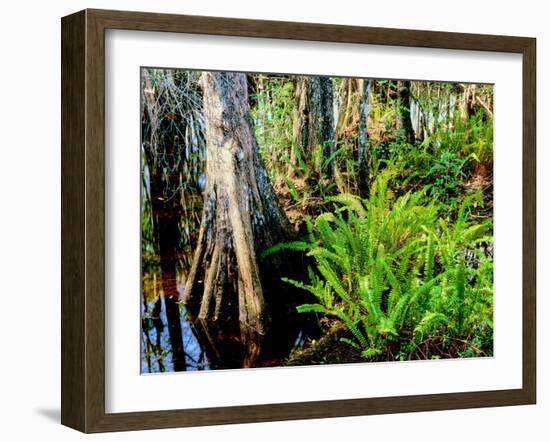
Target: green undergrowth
(404,278)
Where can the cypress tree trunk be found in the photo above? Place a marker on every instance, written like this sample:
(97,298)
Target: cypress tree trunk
(405,110)
(362,147)
(351,132)
(325,115)
(313,120)
(241,216)
(300,124)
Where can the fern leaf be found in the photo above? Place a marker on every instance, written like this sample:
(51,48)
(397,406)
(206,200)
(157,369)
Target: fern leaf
(311,308)
(298,246)
(351,327)
(350,202)
(429,322)
(430,252)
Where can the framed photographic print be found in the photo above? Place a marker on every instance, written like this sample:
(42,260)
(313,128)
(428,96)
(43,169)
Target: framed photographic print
(268,221)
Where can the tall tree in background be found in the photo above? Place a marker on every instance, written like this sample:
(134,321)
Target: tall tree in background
(313,120)
(241,215)
(351,131)
(405,123)
(362,138)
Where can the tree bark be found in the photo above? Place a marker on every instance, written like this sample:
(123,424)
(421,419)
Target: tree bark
(351,132)
(313,120)
(362,147)
(405,111)
(241,215)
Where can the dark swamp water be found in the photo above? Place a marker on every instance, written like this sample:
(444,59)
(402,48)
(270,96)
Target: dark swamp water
(172,341)
(158,347)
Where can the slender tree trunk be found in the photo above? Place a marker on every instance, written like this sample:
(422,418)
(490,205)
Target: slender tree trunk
(362,147)
(405,111)
(326,115)
(351,130)
(313,120)
(241,216)
(300,132)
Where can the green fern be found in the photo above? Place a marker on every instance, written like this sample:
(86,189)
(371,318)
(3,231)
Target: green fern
(391,268)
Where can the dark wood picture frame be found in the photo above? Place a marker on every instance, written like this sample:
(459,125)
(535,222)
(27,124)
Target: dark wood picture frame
(83,220)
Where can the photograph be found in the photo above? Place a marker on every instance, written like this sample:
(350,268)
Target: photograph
(275,221)
(298,220)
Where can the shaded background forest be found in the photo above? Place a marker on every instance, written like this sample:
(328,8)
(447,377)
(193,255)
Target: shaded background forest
(388,188)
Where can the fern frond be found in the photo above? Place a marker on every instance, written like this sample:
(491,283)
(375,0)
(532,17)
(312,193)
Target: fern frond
(350,343)
(430,253)
(312,308)
(350,202)
(460,283)
(297,246)
(352,327)
(429,322)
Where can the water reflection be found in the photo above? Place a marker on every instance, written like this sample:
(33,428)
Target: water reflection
(173,341)
(167,344)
